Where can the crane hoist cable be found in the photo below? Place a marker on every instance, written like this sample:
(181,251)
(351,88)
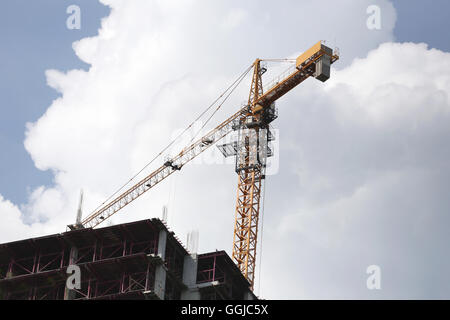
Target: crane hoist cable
(263,206)
(237,82)
(230,88)
(261,236)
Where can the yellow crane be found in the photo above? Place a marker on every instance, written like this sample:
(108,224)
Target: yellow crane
(251,150)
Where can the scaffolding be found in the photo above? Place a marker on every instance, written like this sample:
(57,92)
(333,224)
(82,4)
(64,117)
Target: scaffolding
(137,260)
(117,262)
(225,281)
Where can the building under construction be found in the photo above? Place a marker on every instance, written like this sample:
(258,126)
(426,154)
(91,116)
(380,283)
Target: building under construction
(137,260)
(144,260)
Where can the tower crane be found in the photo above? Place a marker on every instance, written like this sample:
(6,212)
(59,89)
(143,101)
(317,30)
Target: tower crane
(250,150)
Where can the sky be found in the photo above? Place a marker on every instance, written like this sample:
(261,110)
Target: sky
(362,172)
(34,38)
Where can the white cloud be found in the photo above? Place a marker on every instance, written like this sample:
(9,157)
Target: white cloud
(370,153)
(349,148)
(234,18)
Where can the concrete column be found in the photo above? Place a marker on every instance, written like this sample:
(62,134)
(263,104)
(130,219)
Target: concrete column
(160,272)
(190,278)
(190,270)
(162,242)
(68,293)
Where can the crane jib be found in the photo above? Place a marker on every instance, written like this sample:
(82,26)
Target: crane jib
(301,73)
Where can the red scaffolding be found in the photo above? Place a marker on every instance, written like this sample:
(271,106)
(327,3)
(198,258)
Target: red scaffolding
(115,262)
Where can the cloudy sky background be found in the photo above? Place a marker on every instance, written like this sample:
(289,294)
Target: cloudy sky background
(363,159)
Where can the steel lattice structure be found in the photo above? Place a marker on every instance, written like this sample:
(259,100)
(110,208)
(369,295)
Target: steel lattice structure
(250,171)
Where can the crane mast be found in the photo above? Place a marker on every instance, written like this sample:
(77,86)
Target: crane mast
(250,169)
(251,150)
